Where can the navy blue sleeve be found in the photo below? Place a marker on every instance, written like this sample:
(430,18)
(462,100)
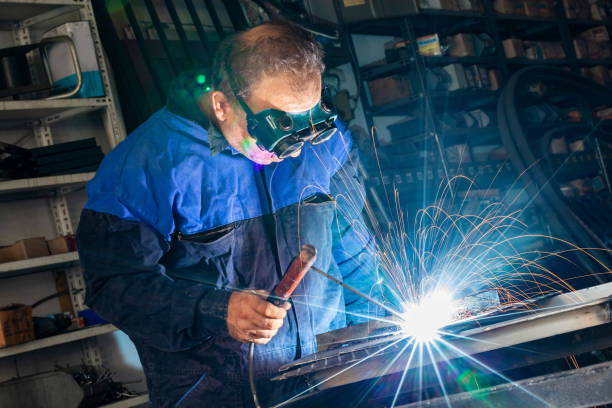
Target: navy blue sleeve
(354,247)
(127,285)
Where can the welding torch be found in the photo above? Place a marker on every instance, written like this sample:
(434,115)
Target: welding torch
(283,290)
(280,295)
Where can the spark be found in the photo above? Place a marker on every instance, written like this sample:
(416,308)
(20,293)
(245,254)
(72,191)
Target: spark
(424,319)
(447,250)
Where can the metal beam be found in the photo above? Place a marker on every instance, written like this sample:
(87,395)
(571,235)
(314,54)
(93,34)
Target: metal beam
(583,387)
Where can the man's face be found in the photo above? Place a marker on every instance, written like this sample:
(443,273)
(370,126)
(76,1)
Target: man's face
(272,92)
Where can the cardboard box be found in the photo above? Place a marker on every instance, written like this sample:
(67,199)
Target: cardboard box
(494,79)
(513,48)
(580,48)
(544,8)
(571,8)
(509,7)
(361,10)
(551,50)
(460,45)
(600,74)
(456,75)
(389,89)
(24,249)
(598,13)
(60,61)
(61,245)
(429,45)
(602,113)
(16,325)
(437,4)
(597,34)
(531,8)
(596,50)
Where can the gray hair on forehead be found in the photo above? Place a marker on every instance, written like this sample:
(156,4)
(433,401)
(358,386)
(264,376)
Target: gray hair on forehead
(267,50)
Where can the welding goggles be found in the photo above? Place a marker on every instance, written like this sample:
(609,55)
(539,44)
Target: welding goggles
(284,133)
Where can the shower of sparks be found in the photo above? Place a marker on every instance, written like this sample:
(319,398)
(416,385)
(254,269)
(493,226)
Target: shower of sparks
(451,250)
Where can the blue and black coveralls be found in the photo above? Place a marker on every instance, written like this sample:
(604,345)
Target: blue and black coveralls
(172,204)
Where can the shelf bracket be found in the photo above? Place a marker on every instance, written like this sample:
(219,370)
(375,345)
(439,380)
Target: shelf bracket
(91,353)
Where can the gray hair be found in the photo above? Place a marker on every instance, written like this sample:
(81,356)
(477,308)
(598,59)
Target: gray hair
(287,49)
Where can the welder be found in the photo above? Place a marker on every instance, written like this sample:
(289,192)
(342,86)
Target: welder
(196,216)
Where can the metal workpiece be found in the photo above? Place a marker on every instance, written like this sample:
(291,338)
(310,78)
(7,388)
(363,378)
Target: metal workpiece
(370,357)
(582,387)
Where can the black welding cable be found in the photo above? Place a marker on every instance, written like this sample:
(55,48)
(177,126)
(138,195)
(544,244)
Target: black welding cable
(252,375)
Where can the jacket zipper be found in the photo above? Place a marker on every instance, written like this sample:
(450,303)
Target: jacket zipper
(186,237)
(274,244)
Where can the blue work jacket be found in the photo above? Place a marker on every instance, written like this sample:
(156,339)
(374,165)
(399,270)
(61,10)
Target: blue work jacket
(170,230)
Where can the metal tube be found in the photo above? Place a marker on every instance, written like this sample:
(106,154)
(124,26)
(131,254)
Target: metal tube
(178,25)
(161,34)
(157,82)
(195,19)
(214,17)
(358,293)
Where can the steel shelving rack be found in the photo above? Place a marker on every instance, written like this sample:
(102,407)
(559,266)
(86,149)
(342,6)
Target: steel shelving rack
(426,103)
(25,19)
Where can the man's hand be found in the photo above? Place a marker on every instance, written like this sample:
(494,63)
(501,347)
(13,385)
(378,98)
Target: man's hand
(250,319)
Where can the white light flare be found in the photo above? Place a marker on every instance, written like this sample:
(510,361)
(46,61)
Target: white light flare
(424,319)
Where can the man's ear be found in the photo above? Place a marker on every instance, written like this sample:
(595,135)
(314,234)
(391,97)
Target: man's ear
(221,106)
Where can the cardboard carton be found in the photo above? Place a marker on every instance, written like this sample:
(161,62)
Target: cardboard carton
(362,10)
(460,45)
(429,45)
(513,48)
(544,8)
(16,325)
(24,249)
(61,245)
(509,7)
(389,89)
(494,79)
(531,8)
(600,74)
(580,48)
(598,13)
(597,34)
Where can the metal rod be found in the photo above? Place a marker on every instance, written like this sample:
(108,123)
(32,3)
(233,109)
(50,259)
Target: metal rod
(195,19)
(214,17)
(358,293)
(157,24)
(236,14)
(178,25)
(157,82)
